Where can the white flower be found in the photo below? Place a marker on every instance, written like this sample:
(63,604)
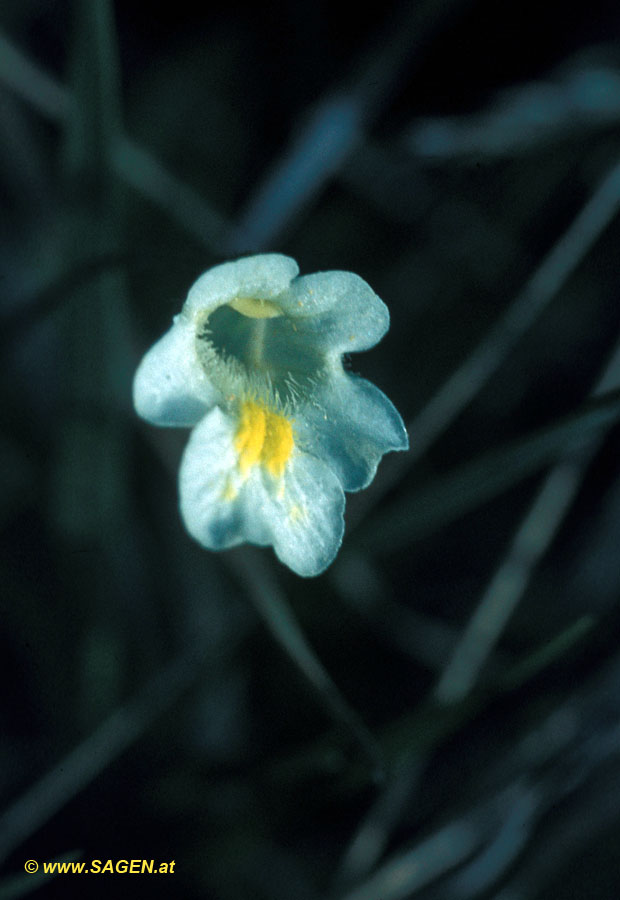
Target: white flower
(253,364)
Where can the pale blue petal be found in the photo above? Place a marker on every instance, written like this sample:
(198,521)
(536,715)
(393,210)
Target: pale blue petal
(302,516)
(350,424)
(261,277)
(342,424)
(170,386)
(208,463)
(338,310)
(306,521)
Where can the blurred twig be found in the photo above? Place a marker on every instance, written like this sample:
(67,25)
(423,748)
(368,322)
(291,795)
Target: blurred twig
(147,175)
(470,653)
(30,82)
(334,126)
(51,295)
(21,157)
(373,834)
(510,580)
(362,585)
(469,378)
(580,737)
(408,872)
(575,745)
(23,884)
(270,601)
(371,837)
(315,155)
(563,838)
(522,119)
(94,326)
(532,540)
(90,758)
(468,486)
(132,163)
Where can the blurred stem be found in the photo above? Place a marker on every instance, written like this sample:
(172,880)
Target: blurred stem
(31,83)
(532,540)
(470,485)
(443,408)
(96,117)
(105,744)
(131,164)
(331,129)
(51,295)
(508,584)
(91,494)
(274,609)
(21,885)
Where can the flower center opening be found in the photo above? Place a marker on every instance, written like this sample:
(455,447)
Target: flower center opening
(263,437)
(252,341)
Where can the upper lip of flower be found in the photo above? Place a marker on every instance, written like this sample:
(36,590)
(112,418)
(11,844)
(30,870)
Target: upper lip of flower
(280,340)
(265,346)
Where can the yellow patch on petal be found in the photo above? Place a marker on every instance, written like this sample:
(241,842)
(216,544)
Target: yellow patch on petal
(230,492)
(296,514)
(255,309)
(263,437)
(278,444)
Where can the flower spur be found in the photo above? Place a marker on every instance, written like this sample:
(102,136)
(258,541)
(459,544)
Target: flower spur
(253,364)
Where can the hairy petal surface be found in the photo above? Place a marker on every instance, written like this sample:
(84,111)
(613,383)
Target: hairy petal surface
(170,386)
(262,277)
(253,364)
(306,522)
(339,310)
(204,484)
(299,513)
(351,424)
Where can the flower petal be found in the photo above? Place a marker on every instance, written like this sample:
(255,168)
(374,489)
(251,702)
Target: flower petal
(350,424)
(207,465)
(170,386)
(306,521)
(301,515)
(337,309)
(261,277)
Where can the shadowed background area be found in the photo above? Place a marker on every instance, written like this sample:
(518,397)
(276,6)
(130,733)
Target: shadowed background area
(438,715)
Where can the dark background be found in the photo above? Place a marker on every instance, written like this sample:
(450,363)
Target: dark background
(158,700)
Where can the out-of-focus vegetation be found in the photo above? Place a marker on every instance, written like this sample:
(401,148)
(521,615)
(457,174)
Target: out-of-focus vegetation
(438,715)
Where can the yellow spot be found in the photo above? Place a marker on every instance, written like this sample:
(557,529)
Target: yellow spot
(255,309)
(250,436)
(263,437)
(278,443)
(296,513)
(230,492)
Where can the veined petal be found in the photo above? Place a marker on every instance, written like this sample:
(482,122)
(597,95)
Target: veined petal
(170,386)
(299,513)
(337,309)
(261,277)
(351,424)
(306,518)
(210,503)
